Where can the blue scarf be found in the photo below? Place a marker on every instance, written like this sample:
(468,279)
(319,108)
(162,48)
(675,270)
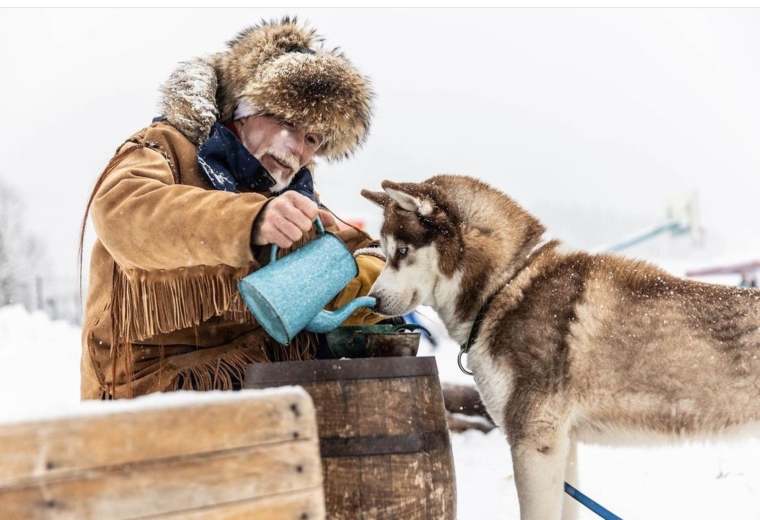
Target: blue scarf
(227,164)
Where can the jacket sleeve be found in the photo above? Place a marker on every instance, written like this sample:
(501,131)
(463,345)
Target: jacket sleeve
(146,221)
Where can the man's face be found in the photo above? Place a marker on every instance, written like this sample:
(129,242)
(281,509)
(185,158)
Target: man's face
(281,148)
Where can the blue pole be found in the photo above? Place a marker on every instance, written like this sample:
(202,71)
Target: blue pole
(675,227)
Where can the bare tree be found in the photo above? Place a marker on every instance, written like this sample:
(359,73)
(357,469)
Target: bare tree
(21,254)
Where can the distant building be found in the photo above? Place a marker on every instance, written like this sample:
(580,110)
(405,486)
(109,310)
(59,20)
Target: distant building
(748,271)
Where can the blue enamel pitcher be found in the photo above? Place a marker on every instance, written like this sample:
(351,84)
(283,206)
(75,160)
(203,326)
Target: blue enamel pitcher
(289,294)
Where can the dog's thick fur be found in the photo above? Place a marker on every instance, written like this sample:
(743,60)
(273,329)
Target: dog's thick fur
(571,346)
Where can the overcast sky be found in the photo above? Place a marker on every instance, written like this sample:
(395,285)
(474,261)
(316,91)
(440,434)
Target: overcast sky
(606,113)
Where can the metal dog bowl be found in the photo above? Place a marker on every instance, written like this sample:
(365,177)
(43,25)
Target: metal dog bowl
(375,341)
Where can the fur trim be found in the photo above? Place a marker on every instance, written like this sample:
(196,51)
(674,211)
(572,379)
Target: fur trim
(188,99)
(371,251)
(283,71)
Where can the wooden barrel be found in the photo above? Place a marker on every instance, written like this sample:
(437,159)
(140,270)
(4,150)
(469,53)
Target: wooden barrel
(383,437)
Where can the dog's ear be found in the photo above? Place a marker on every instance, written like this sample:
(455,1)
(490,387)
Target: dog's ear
(409,196)
(376,197)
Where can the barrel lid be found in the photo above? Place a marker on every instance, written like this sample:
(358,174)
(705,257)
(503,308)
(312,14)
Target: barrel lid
(339,369)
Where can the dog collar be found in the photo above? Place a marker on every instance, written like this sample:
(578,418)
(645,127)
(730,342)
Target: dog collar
(473,337)
(475,330)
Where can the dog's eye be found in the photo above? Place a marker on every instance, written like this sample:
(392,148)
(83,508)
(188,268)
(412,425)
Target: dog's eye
(402,250)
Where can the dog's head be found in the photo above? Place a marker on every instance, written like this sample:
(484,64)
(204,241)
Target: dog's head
(421,238)
(446,239)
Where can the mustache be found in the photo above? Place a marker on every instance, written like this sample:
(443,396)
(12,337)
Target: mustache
(288,159)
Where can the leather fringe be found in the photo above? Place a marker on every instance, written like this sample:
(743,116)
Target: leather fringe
(217,374)
(223,372)
(142,309)
(145,308)
(302,348)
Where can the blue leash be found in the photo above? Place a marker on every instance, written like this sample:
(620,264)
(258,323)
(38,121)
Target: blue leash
(586,501)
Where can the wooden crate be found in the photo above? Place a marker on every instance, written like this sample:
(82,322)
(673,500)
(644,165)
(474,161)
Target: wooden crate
(211,456)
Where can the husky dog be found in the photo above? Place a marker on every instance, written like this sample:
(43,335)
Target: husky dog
(566,346)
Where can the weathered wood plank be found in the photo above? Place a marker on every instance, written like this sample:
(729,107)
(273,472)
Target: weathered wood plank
(50,448)
(298,505)
(157,487)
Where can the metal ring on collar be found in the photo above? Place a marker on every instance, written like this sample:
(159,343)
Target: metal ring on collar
(461,365)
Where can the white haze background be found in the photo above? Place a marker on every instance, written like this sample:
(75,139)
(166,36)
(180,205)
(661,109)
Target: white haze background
(591,118)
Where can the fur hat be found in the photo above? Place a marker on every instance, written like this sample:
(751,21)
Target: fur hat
(282,70)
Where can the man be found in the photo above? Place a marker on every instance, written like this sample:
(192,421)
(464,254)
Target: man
(191,204)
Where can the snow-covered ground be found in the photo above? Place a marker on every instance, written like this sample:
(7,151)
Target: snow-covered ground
(39,374)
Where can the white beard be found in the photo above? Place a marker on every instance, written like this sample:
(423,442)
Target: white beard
(281,181)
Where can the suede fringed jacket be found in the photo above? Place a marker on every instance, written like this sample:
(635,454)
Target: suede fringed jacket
(163,311)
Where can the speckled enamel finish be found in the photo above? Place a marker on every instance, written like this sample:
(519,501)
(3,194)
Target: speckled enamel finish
(289,294)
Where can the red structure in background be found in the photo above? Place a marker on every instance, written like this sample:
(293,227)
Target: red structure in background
(749,272)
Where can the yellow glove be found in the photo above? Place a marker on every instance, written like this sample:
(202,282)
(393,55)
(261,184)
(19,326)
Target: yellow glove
(369,269)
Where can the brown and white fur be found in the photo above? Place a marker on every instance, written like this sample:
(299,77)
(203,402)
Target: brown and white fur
(573,346)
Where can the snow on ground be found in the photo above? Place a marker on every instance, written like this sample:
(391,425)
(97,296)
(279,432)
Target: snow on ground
(39,376)
(39,361)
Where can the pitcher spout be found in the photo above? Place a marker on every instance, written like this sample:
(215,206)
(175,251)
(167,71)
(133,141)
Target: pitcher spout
(326,321)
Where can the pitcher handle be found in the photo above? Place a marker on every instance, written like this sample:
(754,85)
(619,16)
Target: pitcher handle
(275,248)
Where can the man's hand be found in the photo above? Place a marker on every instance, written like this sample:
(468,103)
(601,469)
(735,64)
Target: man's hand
(285,220)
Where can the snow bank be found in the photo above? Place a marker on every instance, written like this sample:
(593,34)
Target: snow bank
(39,377)
(39,362)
